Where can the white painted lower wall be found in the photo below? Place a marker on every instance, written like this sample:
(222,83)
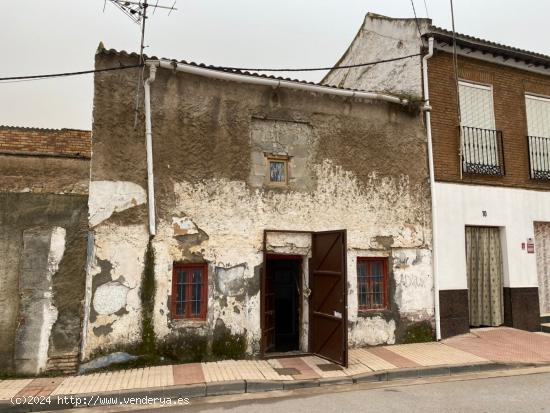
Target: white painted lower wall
(513,210)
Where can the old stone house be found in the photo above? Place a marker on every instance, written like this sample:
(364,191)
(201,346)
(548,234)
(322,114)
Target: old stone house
(273,215)
(489,120)
(44,177)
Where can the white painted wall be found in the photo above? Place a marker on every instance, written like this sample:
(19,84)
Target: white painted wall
(381,38)
(513,210)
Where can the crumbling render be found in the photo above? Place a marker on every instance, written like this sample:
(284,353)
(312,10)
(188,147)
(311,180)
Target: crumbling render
(43,249)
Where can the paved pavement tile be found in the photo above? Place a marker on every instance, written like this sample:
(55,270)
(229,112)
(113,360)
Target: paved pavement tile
(393,358)
(480,346)
(188,373)
(9,388)
(504,345)
(369,359)
(306,372)
(315,362)
(433,354)
(40,387)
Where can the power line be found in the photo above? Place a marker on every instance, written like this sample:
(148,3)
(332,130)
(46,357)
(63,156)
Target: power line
(416,20)
(426,8)
(52,75)
(313,69)
(455,65)
(226,68)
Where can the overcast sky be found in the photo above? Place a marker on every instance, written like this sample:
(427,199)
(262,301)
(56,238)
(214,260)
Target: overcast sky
(38,37)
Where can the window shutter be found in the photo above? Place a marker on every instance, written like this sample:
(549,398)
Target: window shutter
(476,106)
(538,116)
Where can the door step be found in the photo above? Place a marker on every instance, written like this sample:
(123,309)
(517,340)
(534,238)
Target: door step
(544,318)
(545,328)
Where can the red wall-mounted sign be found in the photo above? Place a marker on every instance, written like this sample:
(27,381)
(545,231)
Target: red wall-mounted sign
(530,246)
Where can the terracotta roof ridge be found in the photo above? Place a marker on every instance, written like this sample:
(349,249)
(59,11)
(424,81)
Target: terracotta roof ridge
(238,71)
(459,36)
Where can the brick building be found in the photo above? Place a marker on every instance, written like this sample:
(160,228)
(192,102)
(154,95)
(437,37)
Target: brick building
(491,152)
(44,177)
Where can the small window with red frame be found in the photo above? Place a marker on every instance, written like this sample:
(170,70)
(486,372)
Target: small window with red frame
(189,291)
(372,281)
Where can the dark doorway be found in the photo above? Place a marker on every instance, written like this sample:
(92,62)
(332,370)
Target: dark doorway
(283,307)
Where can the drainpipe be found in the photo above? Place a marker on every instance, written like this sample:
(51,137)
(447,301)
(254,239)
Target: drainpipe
(149,148)
(275,83)
(427,109)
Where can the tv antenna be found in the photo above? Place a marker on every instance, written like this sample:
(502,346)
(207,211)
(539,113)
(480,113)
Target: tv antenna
(137,12)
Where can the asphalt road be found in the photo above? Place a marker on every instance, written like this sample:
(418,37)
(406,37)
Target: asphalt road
(526,393)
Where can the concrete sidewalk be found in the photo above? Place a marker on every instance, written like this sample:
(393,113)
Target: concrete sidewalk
(482,350)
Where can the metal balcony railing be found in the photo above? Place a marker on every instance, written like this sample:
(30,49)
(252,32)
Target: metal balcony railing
(539,157)
(482,151)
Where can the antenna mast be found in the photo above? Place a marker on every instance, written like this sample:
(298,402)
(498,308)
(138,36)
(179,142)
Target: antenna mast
(137,12)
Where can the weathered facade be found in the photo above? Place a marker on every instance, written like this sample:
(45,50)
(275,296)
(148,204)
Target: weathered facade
(43,231)
(344,164)
(491,147)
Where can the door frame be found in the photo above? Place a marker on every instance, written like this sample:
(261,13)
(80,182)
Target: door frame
(265,254)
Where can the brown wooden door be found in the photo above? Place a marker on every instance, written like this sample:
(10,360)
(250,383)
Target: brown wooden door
(328,299)
(267,310)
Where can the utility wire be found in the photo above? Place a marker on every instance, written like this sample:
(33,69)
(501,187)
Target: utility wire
(141,59)
(416,20)
(426,8)
(82,72)
(313,69)
(226,68)
(455,64)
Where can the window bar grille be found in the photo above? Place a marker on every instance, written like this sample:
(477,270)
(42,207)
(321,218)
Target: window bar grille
(482,151)
(539,157)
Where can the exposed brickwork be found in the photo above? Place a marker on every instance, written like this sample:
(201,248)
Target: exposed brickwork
(66,364)
(65,142)
(509,88)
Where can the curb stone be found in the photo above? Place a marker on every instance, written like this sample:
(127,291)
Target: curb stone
(372,376)
(403,374)
(188,390)
(467,368)
(218,388)
(434,371)
(335,381)
(253,386)
(300,384)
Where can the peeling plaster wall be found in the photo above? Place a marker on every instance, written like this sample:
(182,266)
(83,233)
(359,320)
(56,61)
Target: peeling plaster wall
(355,165)
(43,249)
(42,264)
(382,38)
(116,270)
(40,320)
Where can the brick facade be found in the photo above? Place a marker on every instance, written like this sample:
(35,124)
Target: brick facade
(56,142)
(509,88)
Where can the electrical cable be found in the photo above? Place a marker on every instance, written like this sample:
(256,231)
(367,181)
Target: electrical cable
(416,20)
(226,68)
(312,69)
(82,72)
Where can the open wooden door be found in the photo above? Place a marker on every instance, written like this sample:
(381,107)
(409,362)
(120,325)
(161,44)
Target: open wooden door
(328,300)
(267,310)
